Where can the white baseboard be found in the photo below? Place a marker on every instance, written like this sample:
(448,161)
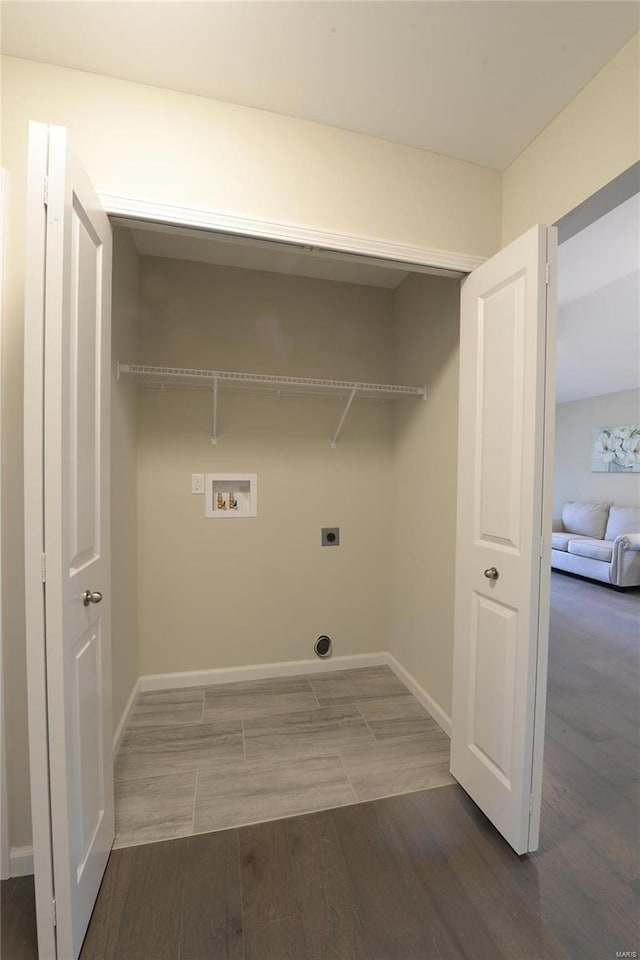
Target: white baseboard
(442,719)
(124,719)
(21,861)
(290,668)
(259,671)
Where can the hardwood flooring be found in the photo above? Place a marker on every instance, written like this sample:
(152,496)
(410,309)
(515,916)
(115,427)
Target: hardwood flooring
(420,876)
(18,939)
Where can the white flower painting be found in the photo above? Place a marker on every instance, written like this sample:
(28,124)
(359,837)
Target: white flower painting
(616,450)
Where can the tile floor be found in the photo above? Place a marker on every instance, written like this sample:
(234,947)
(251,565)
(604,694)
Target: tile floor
(209,758)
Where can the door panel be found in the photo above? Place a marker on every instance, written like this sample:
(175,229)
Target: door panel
(499,414)
(492,670)
(76,538)
(88,782)
(85,320)
(499,643)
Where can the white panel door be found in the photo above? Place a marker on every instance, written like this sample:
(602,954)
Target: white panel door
(502,567)
(77,309)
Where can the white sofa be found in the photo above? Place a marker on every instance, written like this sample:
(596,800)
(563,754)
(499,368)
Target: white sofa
(598,540)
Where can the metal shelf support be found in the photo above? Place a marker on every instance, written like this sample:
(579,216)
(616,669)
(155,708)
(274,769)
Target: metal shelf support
(214,423)
(345,412)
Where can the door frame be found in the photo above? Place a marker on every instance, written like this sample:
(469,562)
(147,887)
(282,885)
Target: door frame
(130,210)
(544,592)
(136,209)
(35,617)
(5,853)
(444,262)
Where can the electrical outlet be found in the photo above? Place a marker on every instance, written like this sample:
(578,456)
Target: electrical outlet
(330,536)
(197,483)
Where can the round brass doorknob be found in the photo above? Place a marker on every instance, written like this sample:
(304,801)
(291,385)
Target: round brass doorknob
(91,596)
(491,573)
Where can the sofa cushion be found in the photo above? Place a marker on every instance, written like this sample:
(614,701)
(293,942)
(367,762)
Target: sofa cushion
(587,519)
(622,520)
(592,548)
(560,541)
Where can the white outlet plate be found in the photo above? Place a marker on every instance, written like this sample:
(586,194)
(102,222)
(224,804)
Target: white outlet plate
(197,483)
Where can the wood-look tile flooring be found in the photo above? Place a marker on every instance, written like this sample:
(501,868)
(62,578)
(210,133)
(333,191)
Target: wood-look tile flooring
(205,759)
(420,876)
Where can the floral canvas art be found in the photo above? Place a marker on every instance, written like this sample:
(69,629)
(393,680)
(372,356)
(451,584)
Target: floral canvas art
(616,449)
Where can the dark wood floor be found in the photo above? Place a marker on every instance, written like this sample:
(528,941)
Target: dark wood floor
(18,920)
(419,876)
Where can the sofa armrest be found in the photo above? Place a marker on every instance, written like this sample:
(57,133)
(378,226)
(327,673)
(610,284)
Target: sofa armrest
(557,526)
(628,541)
(625,560)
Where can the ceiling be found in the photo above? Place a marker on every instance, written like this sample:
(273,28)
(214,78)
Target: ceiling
(474,80)
(598,348)
(178,243)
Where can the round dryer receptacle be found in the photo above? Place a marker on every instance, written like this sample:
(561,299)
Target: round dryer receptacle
(322,646)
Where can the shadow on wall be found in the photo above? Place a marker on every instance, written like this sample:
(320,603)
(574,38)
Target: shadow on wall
(427,335)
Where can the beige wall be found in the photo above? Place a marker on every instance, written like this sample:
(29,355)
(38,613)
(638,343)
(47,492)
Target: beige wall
(182,149)
(177,148)
(575,421)
(124,454)
(218,593)
(224,593)
(427,324)
(590,142)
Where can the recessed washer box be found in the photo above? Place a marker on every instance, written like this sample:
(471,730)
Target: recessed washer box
(231,495)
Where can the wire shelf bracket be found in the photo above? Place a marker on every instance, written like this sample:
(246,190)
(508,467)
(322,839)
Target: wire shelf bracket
(214,413)
(345,413)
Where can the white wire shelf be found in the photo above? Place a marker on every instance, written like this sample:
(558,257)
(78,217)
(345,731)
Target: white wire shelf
(215,380)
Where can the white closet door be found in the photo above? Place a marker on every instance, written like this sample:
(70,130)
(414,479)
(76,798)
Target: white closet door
(502,568)
(75,451)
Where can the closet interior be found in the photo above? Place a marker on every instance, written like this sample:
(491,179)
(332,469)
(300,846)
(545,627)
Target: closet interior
(312,398)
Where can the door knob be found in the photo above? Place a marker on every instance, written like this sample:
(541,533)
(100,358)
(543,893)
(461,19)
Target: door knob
(91,596)
(491,573)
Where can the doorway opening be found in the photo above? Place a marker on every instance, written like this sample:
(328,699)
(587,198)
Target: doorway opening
(592,741)
(310,372)
(597,456)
